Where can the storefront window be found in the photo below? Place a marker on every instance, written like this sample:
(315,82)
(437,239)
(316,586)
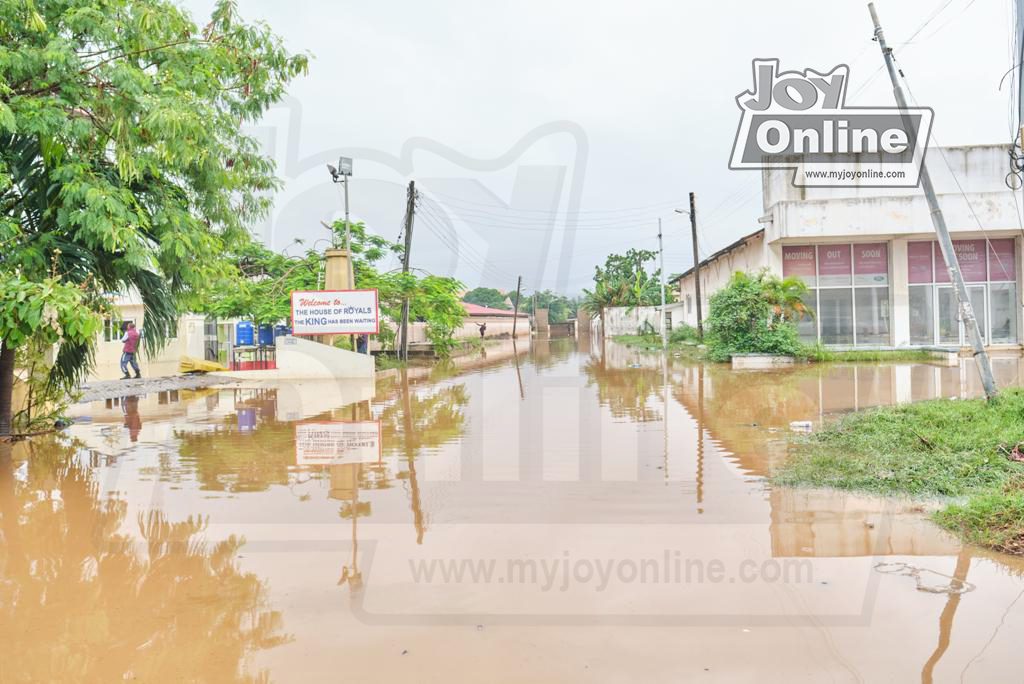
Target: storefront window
(849,291)
(989,268)
(807,327)
(922,313)
(835,314)
(872,315)
(1004,312)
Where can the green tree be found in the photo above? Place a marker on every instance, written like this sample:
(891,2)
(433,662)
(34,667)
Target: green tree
(122,161)
(487,296)
(560,308)
(624,281)
(755,314)
(259,283)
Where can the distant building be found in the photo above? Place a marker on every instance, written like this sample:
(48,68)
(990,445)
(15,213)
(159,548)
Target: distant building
(870,257)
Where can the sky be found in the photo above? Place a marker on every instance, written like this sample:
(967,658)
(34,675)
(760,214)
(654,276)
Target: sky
(544,135)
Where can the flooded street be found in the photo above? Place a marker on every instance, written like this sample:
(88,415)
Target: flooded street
(559,512)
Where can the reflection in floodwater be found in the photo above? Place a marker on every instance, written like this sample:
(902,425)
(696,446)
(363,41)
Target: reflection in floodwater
(529,452)
(83,600)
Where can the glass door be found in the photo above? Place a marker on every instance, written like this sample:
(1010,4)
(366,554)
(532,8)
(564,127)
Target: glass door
(950,328)
(948,317)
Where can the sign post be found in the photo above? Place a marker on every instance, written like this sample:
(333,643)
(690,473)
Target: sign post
(335,312)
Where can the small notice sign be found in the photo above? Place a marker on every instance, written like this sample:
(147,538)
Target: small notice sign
(335,312)
(339,442)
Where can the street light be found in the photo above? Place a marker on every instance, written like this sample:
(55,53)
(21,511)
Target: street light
(341,174)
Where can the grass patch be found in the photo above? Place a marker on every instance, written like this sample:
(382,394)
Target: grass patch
(938,448)
(820,354)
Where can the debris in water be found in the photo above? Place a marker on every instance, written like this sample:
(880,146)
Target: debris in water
(801,426)
(953,587)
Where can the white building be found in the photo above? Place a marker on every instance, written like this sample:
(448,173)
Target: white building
(869,255)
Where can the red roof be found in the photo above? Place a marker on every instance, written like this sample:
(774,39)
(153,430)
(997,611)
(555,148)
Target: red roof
(477,310)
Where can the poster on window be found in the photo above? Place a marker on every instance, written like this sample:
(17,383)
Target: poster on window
(919,262)
(970,254)
(799,261)
(871,264)
(338,442)
(833,265)
(1002,266)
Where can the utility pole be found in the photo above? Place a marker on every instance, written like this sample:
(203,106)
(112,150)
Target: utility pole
(661,285)
(348,240)
(410,213)
(939,221)
(696,265)
(515,317)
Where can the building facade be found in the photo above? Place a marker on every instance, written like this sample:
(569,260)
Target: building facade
(870,258)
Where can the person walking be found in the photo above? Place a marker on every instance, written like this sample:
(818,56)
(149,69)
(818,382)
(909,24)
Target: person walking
(131,345)
(483,329)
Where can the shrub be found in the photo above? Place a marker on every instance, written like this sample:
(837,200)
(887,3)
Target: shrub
(754,314)
(681,332)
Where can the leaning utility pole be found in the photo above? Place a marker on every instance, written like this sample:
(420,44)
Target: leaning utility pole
(515,316)
(696,264)
(945,243)
(661,284)
(410,213)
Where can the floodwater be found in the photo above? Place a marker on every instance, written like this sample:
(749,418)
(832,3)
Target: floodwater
(560,512)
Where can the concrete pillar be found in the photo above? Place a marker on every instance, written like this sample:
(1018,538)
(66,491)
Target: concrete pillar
(899,292)
(335,278)
(336,270)
(541,319)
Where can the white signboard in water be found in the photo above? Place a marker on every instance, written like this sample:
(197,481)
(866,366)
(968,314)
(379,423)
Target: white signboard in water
(340,442)
(334,312)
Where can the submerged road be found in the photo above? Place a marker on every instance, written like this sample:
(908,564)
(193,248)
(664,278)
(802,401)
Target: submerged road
(553,512)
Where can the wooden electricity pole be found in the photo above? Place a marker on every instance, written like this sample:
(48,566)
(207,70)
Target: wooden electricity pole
(696,264)
(515,317)
(939,221)
(410,213)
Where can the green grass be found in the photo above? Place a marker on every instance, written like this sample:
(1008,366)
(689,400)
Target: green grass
(822,354)
(938,448)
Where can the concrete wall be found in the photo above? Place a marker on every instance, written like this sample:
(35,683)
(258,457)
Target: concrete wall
(301,359)
(497,326)
(621,320)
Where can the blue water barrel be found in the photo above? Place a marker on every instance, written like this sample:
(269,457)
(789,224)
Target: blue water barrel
(243,334)
(265,335)
(280,330)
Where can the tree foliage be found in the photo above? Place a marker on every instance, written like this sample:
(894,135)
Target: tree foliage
(560,308)
(624,281)
(488,296)
(755,314)
(123,165)
(259,283)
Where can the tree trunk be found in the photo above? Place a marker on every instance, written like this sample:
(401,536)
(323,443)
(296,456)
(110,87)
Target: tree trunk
(6,389)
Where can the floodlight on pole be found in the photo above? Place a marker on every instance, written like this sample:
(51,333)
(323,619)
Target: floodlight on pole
(341,174)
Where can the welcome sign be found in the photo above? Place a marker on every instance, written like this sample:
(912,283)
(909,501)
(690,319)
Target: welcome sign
(335,312)
(338,442)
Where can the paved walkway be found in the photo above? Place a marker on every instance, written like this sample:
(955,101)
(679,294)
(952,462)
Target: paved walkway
(107,389)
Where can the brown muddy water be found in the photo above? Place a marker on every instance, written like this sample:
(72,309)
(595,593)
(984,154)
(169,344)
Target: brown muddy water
(564,513)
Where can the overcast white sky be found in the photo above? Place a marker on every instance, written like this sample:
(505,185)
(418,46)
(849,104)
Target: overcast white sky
(515,118)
